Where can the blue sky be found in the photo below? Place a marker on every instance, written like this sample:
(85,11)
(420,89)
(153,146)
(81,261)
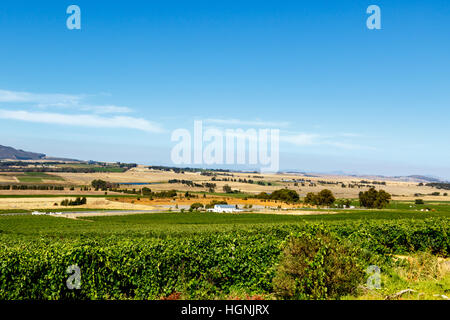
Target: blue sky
(344,97)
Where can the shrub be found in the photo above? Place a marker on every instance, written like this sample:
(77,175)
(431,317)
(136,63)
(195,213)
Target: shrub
(419,201)
(317,266)
(422,266)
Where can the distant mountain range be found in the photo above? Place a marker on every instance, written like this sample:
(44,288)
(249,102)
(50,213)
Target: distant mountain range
(413,178)
(15,154)
(426,178)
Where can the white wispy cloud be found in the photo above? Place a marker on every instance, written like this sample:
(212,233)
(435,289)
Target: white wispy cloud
(105,109)
(248,123)
(338,140)
(50,99)
(83,120)
(301,139)
(56,100)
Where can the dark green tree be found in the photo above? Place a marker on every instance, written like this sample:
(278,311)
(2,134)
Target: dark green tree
(325,198)
(374,199)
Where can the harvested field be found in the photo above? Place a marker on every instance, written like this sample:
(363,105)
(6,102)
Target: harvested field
(49,203)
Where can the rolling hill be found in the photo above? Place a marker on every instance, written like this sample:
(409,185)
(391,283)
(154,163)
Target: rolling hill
(15,154)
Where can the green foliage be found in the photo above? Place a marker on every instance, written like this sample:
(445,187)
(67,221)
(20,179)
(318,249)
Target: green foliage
(196,205)
(103,185)
(214,202)
(374,199)
(165,194)
(311,198)
(37,177)
(316,265)
(323,198)
(204,256)
(343,203)
(285,195)
(419,201)
(77,202)
(227,189)
(140,269)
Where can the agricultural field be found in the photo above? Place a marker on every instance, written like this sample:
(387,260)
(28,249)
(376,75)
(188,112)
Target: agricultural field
(37,177)
(198,181)
(173,255)
(136,236)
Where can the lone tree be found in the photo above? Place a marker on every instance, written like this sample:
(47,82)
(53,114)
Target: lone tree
(374,199)
(325,198)
(227,189)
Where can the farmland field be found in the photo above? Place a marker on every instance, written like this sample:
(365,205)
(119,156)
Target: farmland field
(210,255)
(37,177)
(139,238)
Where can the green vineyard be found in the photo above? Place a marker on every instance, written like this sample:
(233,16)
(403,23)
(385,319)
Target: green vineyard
(205,256)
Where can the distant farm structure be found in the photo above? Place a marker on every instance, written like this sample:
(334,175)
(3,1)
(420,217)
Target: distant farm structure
(224,208)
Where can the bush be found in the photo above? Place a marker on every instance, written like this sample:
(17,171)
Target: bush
(317,266)
(422,266)
(419,201)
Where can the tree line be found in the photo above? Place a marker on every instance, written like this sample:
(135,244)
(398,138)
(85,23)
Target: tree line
(31,187)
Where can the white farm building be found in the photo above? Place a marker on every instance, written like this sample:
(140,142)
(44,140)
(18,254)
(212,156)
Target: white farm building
(224,208)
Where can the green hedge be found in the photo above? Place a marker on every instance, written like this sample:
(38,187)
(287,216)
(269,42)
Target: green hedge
(204,265)
(143,269)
